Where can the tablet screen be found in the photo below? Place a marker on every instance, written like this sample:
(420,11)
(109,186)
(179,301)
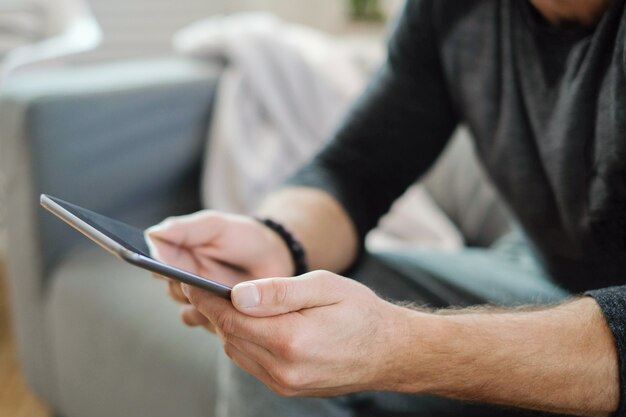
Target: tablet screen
(130,237)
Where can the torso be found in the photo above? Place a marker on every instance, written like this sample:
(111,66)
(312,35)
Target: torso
(547,108)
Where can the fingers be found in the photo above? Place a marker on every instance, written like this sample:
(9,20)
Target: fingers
(274,296)
(176,292)
(190,230)
(229,322)
(233,239)
(250,366)
(192,318)
(173,288)
(175,255)
(254,351)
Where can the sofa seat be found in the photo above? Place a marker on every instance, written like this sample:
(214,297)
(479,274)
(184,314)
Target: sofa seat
(118,346)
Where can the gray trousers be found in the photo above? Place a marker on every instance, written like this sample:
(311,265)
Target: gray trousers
(505,274)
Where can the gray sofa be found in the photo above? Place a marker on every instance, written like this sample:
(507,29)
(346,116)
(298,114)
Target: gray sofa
(97,337)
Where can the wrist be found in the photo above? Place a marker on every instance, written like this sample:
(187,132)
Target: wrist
(294,247)
(277,257)
(411,365)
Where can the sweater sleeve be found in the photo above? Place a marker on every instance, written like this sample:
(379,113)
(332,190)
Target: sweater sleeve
(394,131)
(612,301)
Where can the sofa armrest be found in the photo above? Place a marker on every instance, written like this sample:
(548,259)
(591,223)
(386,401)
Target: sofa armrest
(124,139)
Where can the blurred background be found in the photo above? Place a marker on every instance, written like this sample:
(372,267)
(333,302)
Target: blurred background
(144,109)
(52,33)
(70,70)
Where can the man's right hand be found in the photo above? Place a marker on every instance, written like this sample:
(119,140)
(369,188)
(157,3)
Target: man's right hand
(225,247)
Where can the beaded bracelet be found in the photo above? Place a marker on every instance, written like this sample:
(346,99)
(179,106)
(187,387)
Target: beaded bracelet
(295,248)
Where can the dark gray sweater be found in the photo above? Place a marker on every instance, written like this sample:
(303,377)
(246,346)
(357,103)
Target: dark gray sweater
(547,108)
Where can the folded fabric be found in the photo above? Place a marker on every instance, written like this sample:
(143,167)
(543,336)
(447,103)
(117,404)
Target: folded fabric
(20,24)
(284,89)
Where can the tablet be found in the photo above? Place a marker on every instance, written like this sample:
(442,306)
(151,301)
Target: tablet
(126,242)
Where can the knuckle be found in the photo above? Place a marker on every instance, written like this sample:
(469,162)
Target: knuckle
(331,281)
(227,338)
(320,276)
(180,294)
(224,322)
(327,277)
(168,221)
(289,348)
(173,295)
(186,318)
(289,379)
(173,291)
(279,290)
(194,296)
(229,350)
(165,221)
(192,317)
(214,216)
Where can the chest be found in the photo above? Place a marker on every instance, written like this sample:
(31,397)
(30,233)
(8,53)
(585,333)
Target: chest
(548,116)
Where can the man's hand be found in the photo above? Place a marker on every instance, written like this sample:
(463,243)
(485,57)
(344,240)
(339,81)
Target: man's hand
(313,335)
(321,334)
(224,247)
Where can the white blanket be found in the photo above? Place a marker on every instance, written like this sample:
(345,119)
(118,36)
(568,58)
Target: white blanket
(282,94)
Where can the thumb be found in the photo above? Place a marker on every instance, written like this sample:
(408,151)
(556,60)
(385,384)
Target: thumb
(274,296)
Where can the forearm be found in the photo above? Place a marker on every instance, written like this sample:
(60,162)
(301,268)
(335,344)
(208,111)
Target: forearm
(319,222)
(562,359)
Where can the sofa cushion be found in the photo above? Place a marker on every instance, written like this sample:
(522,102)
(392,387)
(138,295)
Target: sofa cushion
(118,346)
(460,187)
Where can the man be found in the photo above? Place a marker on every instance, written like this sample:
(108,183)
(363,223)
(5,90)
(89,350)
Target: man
(542,86)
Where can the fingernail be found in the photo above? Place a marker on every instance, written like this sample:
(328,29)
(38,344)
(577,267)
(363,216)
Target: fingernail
(185,289)
(246,295)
